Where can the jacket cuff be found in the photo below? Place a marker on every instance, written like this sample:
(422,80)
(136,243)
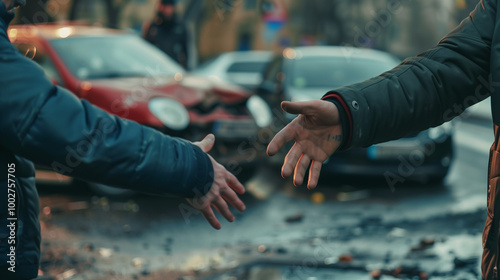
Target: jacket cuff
(172,167)
(345,118)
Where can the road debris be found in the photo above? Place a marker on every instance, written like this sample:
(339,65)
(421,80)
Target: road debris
(400,272)
(66,275)
(138,263)
(262,249)
(346,259)
(424,244)
(105,252)
(88,247)
(352,196)
(295,218)
(397,233)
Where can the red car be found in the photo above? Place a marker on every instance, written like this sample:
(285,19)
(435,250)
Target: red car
(123,74)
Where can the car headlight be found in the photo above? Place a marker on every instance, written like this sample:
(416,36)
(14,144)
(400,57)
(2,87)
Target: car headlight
(260,111)
(439,133)
(170,112)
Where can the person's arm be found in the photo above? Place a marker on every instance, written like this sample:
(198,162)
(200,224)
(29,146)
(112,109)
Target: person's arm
(422,92)
(426,90)
(317,133)
(50,126)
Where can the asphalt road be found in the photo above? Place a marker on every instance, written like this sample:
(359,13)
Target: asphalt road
(345,229)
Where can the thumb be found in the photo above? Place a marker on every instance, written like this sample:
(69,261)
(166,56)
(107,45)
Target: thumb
(207,143)
(296,108)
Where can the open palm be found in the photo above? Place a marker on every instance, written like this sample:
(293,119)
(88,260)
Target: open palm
(317,133)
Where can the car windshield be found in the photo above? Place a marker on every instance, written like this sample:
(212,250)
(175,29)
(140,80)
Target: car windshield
(113,57)
(331,72)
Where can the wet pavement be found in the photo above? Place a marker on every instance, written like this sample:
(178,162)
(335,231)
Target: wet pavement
(346,229)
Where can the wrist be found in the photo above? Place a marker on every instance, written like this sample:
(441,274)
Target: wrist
(344,117)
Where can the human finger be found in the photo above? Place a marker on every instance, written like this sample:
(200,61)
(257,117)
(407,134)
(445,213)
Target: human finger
(291,160)
(221,206)
(207,143)
(296,108)
(209,215)
(233,199)
(314,172)
(234,183)
(280,139)
(300,170)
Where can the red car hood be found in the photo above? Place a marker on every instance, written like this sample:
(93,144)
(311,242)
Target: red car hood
(189,90)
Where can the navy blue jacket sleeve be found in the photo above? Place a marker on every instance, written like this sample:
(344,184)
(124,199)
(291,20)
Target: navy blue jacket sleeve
(50,126)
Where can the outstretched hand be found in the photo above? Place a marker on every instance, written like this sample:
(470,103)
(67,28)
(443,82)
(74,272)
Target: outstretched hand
(317,133)
(223,190)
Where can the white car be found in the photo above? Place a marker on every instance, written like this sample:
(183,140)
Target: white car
(242,68)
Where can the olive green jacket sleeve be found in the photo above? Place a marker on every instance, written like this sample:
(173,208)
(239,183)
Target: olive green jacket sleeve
(430,89)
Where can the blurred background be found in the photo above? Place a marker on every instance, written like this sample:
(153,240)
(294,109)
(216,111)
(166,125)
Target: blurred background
(412,208)
(401,27)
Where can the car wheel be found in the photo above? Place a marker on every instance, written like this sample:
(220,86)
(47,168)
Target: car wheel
(105,190)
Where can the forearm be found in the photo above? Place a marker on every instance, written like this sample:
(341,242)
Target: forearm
(95,146)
